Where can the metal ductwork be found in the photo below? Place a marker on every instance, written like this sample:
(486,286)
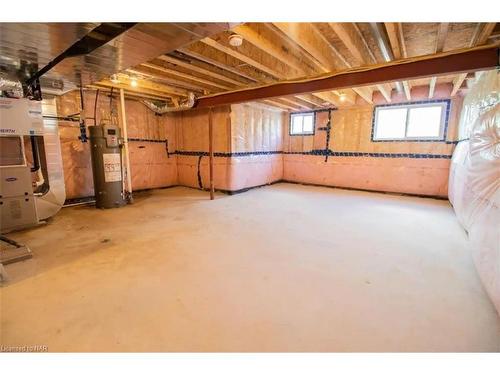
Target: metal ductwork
(10,87)
(96,38)
(160,110)
(84,53)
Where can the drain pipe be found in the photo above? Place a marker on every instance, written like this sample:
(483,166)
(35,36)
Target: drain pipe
(42,187)
(160,110)
(125,144)
(211,152)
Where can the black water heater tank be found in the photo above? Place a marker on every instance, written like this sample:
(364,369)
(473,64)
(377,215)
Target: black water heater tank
(106,151)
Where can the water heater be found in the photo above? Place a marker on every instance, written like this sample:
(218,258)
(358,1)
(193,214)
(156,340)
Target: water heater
(106,153)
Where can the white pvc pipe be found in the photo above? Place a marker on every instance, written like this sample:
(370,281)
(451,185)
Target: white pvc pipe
(125,142)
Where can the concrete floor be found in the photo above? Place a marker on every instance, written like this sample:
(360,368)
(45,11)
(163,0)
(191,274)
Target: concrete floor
(281,268)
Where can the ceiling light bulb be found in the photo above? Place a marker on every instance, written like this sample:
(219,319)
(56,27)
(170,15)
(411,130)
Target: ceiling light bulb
(235,40)
(133,82)
(342,97)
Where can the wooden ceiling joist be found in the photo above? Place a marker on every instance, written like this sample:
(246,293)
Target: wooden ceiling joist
(279,103)
(319,49)
(306,36)
(329,98)
(480,36)
(407,90)
(402,41)
(440,41)
(271,48)
(297,103)
(468,60)
(392,33)
(212,43)
(398,45)
(441,36)
(366,93)
(312,99)
(432,87)
(171,81)
(389,46)
(216,63)
(386,90)
(134,95)
(457,83)
(200,70)
(153,86)
(482,33)
(284,41)
(134,90)
(186,76)
(254,38)
(349,36)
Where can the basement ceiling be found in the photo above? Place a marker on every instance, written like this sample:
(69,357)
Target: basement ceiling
(274,52)
(169,60)
(39,43)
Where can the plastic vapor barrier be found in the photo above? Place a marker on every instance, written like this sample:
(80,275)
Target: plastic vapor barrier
(475,179)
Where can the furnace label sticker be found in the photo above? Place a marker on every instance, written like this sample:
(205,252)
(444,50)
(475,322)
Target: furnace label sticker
(112,167)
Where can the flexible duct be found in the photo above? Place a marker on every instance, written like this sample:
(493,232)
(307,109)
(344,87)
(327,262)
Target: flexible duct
(188,104)
(11,88)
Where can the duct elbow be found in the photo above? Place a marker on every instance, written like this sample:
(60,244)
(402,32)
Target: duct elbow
(187,104)
(10,87)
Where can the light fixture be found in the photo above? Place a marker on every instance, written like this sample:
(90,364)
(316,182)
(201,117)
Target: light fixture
(342,97)
(235,40)
(114,78)
(133,82)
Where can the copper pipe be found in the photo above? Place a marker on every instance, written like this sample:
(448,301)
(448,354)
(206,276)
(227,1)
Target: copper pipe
(211,152)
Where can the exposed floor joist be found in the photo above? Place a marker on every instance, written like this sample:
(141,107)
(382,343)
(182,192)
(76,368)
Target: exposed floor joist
(274,52)
(156,77)
(200,70)
(186,76)
(457,83)
(129,91)
(440,42)
(216,63)
(432,86)
(242,57)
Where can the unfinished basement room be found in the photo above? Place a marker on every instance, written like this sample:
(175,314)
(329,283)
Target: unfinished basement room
(250,187)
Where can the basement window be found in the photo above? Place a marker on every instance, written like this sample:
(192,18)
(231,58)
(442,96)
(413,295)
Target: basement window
(302,123)
(411,122)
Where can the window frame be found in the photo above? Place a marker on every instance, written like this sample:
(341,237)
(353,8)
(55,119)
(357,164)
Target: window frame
(443,126)
(313,113)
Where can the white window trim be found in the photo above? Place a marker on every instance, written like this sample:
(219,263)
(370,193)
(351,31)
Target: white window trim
(441,135)
(303,132)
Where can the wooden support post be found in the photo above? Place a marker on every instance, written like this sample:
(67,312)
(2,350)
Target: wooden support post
(211,152)
(125,144)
